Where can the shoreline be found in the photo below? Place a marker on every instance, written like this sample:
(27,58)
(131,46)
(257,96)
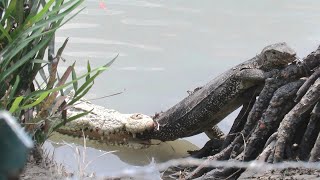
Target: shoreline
(43,167)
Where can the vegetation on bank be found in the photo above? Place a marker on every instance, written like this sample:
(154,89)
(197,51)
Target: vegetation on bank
(30,86)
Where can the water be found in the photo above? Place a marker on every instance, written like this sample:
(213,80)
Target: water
(168,47)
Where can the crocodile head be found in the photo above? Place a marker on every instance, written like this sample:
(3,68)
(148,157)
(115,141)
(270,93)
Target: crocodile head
(277,55)
(108,126)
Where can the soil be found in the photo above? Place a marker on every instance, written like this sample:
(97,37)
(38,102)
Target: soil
(41,167)
(44,171)
(41,172)
(283,174)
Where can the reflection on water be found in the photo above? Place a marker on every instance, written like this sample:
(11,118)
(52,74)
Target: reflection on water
(169,47)
(110,162)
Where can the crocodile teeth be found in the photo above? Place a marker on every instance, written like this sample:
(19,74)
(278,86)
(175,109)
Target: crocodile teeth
(101,138)
(108,137)
(134,135)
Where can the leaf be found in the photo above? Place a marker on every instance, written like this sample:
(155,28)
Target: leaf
(54,64)
(89,69)
(49,101)
(8,11)
(12,49)
(75,99)
(91,79)
(38,92)
(58,103)
(56,17)
(14,88)
(15,104)
(65,76)
(34,8)
(111,62)
(74,76)
(60,50)
(21,41)
(23,60)
(72,118)
(5,33)
(43,75)
(33,19)
(86,83)
(39,100)
(39,61)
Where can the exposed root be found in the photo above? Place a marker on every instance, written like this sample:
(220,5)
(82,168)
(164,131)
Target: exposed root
(280,124)
(264,155)
(238,123)
(279,105)
(288,124)
(213,146)
(315,152)
(304,88)
(310,134)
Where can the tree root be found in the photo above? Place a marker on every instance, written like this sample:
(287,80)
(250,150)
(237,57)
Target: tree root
(282,124)
(315,152)
(238,123)
(279,105)
(310,134)
(288,124)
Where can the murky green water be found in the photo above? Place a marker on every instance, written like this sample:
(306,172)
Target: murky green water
(169,47)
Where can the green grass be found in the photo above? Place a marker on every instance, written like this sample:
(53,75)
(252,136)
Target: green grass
(27,31)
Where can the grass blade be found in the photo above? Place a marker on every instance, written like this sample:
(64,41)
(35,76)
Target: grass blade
(23,60)
(72,118)
(14,88)
(5,33)
(39,100)
(89,69)
(75,99)
(74,76)
(15,104)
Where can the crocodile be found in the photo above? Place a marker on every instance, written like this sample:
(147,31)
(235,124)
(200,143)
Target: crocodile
(107,125)
(198,112)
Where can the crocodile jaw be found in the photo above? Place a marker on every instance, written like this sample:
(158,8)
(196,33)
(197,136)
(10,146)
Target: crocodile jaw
(118,139)
(107,126)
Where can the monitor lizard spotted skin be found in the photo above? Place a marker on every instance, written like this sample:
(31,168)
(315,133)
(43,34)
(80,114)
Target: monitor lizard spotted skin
(207,106)
(198,112)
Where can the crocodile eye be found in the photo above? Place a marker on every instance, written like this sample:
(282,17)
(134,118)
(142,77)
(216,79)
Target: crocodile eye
(273,52)
(136,116)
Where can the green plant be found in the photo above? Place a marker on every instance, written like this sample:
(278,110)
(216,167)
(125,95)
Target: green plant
(27,32)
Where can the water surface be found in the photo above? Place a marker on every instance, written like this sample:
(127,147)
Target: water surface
(168,47)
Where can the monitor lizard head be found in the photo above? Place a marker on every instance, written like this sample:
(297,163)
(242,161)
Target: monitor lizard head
(277,56)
